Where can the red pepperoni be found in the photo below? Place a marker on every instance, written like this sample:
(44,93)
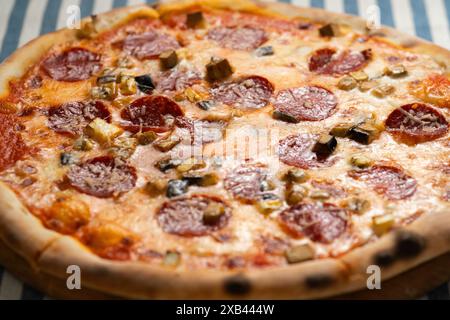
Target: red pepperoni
(201,132)
(73,117)
(102,177)
(328,61)
(177,80)
(249,92)
(148,45)
(391,182)
(244,38)
(150,114)
(184,217)
(416,123)
(74,64)
(319,222)
(296,150)
(244,182)
(12,146)
(308,103)
(320,58)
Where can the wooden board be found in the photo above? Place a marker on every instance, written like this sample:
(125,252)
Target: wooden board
(412,284)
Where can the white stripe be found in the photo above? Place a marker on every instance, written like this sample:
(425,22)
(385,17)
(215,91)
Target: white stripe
(334,5)
(438,22)
(403,17)
(363,5)
(102,6)
(134,2)
(302,3)
(63,14)
(11,288)
(32,22)
(7,6)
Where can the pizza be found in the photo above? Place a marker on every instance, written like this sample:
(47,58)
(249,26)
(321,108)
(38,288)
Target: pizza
(220,149)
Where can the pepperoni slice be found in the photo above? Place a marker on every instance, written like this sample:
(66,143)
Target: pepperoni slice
(249,92)
(102,177)
(320,58)
(72,65)
(391,182)
(73,117)
(150,114)
(328,61)
(308,103)
(184,217)
(319,222)
(296,150)
(148,45)
(245,38)
(12,146)
(201,132)
(177,80)
(244,182)
(416,123)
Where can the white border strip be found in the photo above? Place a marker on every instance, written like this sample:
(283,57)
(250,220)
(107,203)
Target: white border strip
(5,12)
(438,22)
(101,6)
(403,17)
(32,21)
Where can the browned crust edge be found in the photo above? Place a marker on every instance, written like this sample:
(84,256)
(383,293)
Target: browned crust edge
(50,253)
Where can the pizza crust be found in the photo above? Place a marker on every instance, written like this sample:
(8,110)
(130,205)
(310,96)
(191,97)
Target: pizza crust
(50,253)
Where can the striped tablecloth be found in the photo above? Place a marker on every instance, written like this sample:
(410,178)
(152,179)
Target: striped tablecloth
(23,20)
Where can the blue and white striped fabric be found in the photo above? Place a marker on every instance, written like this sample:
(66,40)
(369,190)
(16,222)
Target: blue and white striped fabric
(23,20)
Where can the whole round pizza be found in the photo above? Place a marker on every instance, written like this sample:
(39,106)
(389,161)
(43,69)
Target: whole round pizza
(223,149)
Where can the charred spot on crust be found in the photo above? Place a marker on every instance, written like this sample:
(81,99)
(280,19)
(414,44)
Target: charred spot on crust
(318,281)
(408,244)
(384,258)
(237,285)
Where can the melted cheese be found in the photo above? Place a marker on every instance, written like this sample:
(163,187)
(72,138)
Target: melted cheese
(255,136)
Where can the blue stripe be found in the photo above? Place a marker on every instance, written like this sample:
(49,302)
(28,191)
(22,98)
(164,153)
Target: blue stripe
(14,28)
(86,7)
(386,12)
(351,7)
(420,19)
(317,3)
(119,3)
(29,293)
(50,16)
(447,5)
